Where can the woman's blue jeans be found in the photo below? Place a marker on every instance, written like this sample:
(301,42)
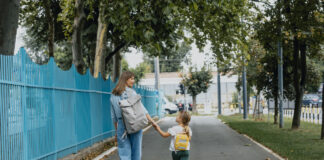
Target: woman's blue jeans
(130,146)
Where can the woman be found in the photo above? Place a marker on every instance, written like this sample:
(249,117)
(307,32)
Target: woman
(130,146)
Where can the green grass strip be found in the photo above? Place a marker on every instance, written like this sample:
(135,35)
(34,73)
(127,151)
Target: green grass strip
(301,144)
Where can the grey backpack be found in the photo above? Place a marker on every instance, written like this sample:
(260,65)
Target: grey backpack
(133,113)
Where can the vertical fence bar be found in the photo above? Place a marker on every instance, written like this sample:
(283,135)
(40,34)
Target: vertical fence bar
(23,104)
(1,112)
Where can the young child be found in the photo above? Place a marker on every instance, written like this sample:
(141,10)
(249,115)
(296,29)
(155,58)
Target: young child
(183,128)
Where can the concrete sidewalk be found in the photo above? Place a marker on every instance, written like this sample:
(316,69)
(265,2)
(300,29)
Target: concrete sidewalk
(212,140)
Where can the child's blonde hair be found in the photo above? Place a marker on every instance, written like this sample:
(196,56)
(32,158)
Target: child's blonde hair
(185,119)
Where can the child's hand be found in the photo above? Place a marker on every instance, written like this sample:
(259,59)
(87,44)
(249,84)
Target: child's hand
(156,127)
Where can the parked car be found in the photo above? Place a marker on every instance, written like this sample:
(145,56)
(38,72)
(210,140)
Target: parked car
(313,99)
(190,107)
(181,105)
(168,107)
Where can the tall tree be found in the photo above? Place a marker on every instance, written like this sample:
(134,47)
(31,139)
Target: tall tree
(301,32)
(50,20)
(306,29)
(197,82)
(222,23)
(79,18)
(117,67)
(101,41)
(40,20)
(132,24)
(89,29)
(9,11)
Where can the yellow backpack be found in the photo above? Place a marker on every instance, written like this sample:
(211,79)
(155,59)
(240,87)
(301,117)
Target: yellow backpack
(181,142)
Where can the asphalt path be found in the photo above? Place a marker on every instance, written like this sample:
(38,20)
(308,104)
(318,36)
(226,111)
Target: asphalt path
(211,140)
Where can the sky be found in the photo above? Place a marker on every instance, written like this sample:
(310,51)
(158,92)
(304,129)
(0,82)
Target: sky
(135,57)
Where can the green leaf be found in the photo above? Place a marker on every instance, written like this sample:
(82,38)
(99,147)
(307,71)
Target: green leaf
(195,6)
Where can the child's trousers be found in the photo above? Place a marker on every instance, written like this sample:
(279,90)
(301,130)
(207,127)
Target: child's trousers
(180,155)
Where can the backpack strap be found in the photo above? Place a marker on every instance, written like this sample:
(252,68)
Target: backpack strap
(129,93)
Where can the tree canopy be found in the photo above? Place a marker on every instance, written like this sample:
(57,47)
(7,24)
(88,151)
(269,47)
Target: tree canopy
(98,30)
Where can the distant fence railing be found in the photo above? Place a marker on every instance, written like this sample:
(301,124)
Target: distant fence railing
(309,113)
(47,113)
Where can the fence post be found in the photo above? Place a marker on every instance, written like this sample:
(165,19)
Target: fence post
(23,104)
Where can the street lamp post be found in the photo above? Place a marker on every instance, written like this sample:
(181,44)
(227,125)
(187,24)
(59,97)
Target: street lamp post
(280,76)
(219,93)
(245,104)
(280,85)
(245,114)
(157,73)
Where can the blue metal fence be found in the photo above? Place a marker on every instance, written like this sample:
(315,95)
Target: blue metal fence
(47,113)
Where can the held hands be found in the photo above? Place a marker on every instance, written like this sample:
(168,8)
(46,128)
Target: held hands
(156,127)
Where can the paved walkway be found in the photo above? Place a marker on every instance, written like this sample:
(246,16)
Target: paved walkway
(212,140)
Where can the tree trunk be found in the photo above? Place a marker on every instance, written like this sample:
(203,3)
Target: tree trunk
(50,21)
(9,11)
(239,101)
(322,135)
(248,101)
(276,110)
(298,98)
(77,36)
(116,67)
(194,104)
(99,64)
(115,51)
(90,62)
(259,106)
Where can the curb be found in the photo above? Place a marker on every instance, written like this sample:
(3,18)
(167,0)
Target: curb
(106,153)
(264,147)
(113,149)
(257,143)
